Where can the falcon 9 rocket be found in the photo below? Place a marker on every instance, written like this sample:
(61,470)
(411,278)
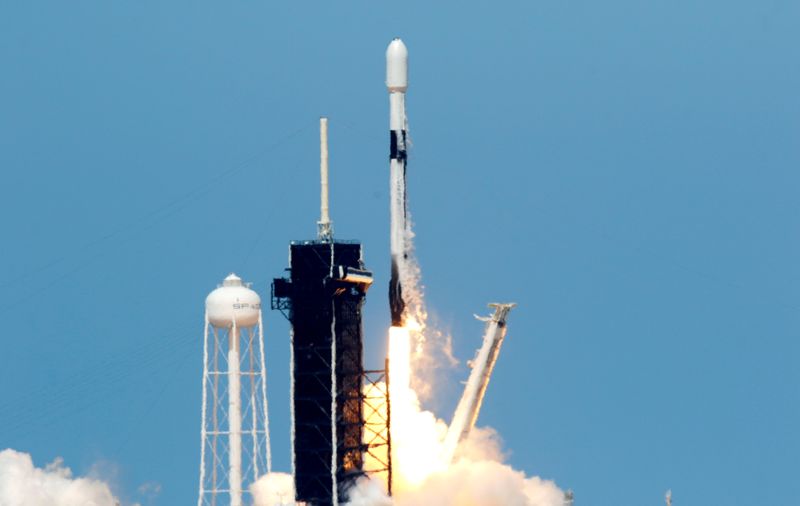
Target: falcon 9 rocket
(400,247)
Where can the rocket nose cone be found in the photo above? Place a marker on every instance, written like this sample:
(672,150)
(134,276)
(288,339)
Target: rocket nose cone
(397,66)
(397,49)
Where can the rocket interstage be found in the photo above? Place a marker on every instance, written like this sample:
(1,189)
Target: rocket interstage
(397,84)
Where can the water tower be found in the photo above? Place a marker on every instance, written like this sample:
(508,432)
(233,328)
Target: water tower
(235,449)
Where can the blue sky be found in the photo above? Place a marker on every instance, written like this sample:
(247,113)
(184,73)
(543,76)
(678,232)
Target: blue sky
(626,171)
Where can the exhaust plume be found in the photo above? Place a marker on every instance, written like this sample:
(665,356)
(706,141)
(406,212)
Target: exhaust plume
(477,478)
(422,473)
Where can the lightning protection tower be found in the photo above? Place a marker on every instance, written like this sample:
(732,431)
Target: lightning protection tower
(235,449)
(322,298)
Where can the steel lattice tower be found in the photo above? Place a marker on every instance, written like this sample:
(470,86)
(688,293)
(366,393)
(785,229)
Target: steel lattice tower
(235,449)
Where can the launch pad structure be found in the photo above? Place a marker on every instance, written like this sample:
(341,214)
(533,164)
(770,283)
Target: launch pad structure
(322,298)
(327,367)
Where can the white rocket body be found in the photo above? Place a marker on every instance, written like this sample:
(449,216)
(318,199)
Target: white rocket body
(397,84)
(482,366)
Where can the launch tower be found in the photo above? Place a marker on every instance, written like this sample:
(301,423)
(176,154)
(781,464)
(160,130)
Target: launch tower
(322,297)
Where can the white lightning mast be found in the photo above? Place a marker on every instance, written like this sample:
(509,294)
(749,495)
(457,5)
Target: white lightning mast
(324,225)
(233,366)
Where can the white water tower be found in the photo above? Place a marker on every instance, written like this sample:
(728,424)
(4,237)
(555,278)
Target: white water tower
(235,448)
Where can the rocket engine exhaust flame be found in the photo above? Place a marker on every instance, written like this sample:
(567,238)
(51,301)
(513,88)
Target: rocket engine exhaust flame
(422,471)
(400,360)
(415,433)
(425,469)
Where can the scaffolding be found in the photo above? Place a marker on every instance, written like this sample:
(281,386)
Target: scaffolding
(377,425)
(322,298)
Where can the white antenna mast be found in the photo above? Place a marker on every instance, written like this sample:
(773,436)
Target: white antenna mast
(325,226)
(668,497)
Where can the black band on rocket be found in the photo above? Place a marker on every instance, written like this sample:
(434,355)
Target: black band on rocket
(397,144)
(397,305)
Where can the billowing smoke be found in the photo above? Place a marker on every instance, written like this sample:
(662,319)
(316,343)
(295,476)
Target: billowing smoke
(23,484)
(467,483)
(477,478)
(273,489)
(369,493)
(483,483)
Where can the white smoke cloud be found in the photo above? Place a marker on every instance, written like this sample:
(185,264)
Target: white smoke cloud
(484,483)
(23,484)
(368,493)
(466,483)
(272,489)
(477,478)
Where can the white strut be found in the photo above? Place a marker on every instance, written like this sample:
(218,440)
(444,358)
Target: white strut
(470,404)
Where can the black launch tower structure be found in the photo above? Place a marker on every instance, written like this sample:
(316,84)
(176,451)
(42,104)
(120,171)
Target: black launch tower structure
(322,297)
